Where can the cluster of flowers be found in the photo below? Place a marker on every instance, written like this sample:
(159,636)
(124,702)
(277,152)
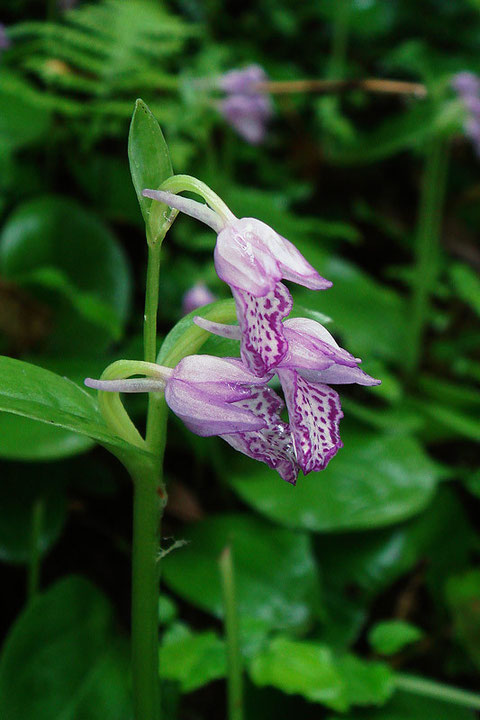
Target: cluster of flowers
(467,86)
(230,397)
(245,107)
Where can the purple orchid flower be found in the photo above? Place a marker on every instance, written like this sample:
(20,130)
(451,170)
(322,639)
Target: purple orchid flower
(253,259)
(248,115)
(245,108)
(467,86)
(5,41)
(219,396)
(313,361)
(196,297)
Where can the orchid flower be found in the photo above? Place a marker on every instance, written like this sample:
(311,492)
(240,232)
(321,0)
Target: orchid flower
(197,296)
(313,361)
(219,396)
(246,108)
(253,259)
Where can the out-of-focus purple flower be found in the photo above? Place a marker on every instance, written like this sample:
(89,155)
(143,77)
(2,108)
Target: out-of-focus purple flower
(67,4)
(5,41)
(242,82)
(253,259)
(313,362)
(466,84)
(198,296)
(246,108)
(248,115)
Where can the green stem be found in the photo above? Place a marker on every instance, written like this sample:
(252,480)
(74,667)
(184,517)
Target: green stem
(149,501)
(426,250)
(34,561)
(147,512)
(438,691)
(151,303)
(234,659)
(338,49)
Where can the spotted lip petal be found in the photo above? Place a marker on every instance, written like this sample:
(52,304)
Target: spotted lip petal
(273,444)
(315,413)
(263,343)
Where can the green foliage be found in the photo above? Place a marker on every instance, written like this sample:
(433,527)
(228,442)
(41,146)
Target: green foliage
(389,529)
(376,480)
(276,578)
(390,636)
(310,669)
(63,660)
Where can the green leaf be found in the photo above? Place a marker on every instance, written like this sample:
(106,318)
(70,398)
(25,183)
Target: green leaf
(466,284)
(21,121)
(310,669)
(369,316)
(391,636)
(33,392)
(406,706)
(150,165)
(374,480)
(61,660)
(192,659)
(463,593)
(74,264)
(20,490)
(41,441)
(277,583)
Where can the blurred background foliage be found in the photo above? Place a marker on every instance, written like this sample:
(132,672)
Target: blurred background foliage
(364,571)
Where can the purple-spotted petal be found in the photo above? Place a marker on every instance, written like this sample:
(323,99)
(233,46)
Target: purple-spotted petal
(273,444)
(260,318)
(314,413)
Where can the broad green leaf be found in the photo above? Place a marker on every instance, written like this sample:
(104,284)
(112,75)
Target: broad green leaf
(463,593)
(24,439)
(22,488)
(41,441)
(62,661)
(374,480)
(75,264)
(39,394)
(390,636)
(150,165)
(312,670)
(192,659)
(370,317)
(276,578)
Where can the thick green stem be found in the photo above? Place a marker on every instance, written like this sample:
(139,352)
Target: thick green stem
(147,513)
(427,246)
(234,658)
(438,691)
(34,561)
